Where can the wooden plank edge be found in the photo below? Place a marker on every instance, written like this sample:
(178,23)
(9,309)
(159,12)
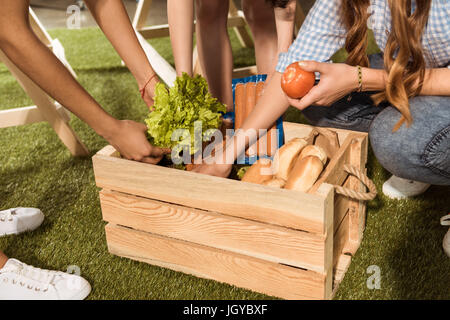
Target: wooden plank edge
(108,175)
(264,241)
(235,269)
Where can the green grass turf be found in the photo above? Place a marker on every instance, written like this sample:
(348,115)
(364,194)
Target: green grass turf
(403,238)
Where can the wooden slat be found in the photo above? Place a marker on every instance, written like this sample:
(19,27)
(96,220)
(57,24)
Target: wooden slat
(164,70)
(26,115)
(293,130)
(245,72)
(340,270)
(358,158)
(246,200)
(329,241)
(341,206)
(340,240)
(206,262)
(334,173)
(240,30)
(47,107)
(264,241)
(140,16)
(162,30)
(38,28)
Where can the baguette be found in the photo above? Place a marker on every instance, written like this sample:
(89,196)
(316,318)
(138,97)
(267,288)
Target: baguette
(316,151)
(304,174)
(259,172)
(285,157)
(275,182)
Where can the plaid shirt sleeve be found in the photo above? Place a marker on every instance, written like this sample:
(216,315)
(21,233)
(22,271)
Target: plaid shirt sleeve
(320,36)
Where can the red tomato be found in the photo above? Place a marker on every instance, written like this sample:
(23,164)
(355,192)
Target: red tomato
(297,82)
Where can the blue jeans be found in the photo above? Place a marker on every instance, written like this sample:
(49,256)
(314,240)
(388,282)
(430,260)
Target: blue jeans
(420,152)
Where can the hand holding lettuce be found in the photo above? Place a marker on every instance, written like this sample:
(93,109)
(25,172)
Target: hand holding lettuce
(179,108)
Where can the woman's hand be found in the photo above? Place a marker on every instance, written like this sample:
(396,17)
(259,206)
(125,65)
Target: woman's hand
(148,92)
(218,170)
(336,81)
(129,138)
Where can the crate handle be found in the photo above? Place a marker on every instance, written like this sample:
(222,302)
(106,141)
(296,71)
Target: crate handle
(365,196)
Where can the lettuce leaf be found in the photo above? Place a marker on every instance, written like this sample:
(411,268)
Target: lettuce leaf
(179,108)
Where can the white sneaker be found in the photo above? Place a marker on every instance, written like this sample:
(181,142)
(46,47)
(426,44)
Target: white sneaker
(19,281)
(445,221)
(399,188)
(17,220)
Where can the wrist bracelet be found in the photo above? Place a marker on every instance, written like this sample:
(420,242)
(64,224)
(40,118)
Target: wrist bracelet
(142,91)
(359,79)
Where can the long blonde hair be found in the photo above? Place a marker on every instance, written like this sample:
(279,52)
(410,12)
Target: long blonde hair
(403,55)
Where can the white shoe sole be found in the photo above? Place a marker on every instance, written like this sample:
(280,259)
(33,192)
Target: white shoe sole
(83,293)
(392,193)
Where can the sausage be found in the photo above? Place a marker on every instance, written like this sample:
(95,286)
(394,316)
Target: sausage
(239,105)
(304,174)
(250,102)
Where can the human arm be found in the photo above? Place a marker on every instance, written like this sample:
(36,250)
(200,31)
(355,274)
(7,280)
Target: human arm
(272,104)
(113,19)
(33,58)
(333,85)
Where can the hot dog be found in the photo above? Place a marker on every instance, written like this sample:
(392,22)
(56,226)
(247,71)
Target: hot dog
(250,101)
(239,105)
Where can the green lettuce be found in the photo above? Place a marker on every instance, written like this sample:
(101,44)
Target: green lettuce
(179,108)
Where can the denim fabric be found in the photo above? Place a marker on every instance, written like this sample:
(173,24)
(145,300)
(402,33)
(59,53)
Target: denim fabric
(420,152)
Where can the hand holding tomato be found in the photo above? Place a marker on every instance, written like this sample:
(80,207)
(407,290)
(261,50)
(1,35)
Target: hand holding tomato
(336,81)
(296,82)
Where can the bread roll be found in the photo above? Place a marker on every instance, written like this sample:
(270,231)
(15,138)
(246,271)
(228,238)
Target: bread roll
(275,182)
(259,172)
(313,150)
(285,157)
(304,174)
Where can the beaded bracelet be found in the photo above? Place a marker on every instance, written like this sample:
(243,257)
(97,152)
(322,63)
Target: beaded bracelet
(349,98)
(359,78)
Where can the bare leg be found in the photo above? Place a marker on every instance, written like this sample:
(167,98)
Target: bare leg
(261,20)
(214,48)
(3,259)
(181,26)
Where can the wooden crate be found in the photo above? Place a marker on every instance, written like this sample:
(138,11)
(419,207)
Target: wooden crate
(279,242)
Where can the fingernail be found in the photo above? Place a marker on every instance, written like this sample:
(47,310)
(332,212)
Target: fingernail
(302,64)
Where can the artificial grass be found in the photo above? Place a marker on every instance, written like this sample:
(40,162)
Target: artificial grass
(403,238)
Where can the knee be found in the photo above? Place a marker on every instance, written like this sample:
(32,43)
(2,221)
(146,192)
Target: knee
(411,151)
(436,155)
(257,13)
(208,11)
(393,150)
